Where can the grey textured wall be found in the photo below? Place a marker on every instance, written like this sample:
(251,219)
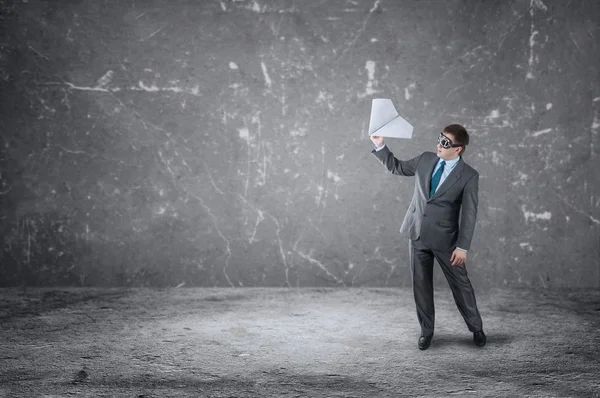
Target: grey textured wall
(223,143)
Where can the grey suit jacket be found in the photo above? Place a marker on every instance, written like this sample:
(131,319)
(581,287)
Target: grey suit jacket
(436,219)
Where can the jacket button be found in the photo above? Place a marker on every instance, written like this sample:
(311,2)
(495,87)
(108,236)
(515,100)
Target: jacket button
(424,215)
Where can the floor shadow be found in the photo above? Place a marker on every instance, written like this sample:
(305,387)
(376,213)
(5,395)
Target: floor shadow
(467,339)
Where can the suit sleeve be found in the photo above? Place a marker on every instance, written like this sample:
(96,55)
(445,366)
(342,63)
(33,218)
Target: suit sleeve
(395,166)
(468,217)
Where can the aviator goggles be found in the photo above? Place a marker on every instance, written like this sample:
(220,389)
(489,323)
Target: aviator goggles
(446,143)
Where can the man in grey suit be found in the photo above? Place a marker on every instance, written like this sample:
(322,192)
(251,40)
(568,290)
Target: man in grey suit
(439,223)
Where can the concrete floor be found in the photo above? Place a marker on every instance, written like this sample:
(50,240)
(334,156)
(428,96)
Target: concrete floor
(293,343)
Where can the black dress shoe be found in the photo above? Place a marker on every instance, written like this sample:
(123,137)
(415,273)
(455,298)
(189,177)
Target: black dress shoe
(479,338)
(424,342)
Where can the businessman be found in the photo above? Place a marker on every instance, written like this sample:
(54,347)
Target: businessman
(439,223)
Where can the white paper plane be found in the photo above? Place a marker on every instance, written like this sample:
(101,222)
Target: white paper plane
(386,122)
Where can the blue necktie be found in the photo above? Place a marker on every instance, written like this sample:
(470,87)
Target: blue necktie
(435,180)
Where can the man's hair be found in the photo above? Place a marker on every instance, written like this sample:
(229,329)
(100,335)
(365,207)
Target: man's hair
(460,136)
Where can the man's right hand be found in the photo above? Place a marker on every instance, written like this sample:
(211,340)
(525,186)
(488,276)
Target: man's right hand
(378,141)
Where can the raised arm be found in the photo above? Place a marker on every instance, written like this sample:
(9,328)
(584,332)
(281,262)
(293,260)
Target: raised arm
(394,166)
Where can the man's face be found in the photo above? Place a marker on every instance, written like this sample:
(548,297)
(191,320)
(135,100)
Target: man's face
(448,153)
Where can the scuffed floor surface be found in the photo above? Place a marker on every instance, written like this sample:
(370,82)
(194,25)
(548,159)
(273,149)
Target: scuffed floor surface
(260,342)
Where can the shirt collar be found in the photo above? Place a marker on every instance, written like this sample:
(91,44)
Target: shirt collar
(449,163)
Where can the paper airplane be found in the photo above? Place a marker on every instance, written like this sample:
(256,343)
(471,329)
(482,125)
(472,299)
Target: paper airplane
(386,122)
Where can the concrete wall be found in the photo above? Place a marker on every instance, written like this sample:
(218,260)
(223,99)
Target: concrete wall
(223,143)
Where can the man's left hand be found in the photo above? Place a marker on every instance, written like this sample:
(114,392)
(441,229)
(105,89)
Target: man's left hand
(458,257)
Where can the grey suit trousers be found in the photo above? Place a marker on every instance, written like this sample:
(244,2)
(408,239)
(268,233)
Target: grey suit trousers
(421,263)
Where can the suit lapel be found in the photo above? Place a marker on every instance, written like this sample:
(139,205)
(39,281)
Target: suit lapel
(454,176)
(428,176)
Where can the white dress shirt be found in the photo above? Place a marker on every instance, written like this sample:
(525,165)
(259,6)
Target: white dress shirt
(450,164)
